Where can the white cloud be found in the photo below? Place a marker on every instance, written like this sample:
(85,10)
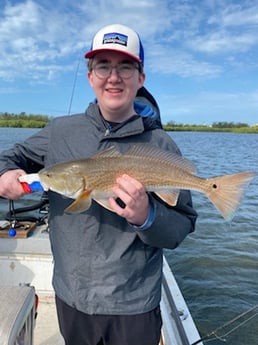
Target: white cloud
(34,40)
(36,35)
(222,42)
(237,15)
(167,60)
(231,28)
(41,40)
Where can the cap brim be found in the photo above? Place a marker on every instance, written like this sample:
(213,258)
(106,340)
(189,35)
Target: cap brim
(91,53)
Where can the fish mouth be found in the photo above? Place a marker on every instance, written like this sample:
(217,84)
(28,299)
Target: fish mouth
(44,185)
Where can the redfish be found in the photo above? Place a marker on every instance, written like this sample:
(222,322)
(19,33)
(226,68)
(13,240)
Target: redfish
(159,171)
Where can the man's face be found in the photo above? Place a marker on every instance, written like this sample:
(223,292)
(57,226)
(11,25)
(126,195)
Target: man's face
(115,93)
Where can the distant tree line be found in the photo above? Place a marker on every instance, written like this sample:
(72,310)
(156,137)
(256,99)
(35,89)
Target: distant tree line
(23,120)
(223,126)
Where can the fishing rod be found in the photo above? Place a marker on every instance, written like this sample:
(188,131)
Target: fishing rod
(214,334)
(74,85)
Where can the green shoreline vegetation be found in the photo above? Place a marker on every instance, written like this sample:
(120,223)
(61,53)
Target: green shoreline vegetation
(24,120)
(233,127)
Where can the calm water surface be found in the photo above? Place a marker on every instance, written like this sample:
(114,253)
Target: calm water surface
(216,267)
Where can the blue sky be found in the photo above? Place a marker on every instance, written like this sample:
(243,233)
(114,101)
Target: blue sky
(201,57)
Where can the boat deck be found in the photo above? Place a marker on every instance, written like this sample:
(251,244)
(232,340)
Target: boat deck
(46,330)
(30,260)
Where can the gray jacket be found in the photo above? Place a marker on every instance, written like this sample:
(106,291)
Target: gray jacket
(102,264)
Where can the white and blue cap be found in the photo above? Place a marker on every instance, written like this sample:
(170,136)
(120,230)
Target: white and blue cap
(119,38)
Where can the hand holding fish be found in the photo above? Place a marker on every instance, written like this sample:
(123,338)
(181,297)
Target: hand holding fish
(10,186)
(135,198)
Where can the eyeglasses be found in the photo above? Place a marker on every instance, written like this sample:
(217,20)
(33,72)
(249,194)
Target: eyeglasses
(124,70)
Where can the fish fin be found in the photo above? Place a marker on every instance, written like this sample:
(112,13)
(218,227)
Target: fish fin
(227,192)
(110,152)
(145,150)
(102,198)
(169,197)
(81,204)
(104,202)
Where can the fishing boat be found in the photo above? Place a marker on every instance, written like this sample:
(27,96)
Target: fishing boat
(26,266)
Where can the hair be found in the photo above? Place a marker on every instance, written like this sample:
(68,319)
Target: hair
(90,65)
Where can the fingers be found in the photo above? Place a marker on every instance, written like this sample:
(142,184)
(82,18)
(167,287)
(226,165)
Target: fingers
(134,196)
(10,187)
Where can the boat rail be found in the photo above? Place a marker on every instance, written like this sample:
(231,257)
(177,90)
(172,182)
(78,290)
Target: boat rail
(178,325)
(17,313)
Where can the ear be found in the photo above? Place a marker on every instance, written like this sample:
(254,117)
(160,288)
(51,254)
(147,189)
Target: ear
(142,77)
(89,76)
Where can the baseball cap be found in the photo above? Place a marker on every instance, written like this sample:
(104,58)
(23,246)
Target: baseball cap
(119,38)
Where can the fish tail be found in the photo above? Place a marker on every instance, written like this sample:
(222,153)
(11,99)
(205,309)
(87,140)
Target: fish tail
(226,192)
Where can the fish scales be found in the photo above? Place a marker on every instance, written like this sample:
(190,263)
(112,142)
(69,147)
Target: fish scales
(159,171)
(102,173)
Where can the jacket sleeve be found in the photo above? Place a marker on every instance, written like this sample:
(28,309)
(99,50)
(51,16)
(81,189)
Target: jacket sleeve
(29,155)
(171,224)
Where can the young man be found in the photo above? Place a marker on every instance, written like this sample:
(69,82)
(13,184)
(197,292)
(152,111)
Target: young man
(108,265)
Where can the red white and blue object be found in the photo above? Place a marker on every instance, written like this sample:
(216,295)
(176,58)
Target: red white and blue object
(31,183)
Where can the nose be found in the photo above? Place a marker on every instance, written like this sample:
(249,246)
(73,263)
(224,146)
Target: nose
(114,73)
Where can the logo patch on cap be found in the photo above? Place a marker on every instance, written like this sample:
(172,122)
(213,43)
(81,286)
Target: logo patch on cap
(114,37)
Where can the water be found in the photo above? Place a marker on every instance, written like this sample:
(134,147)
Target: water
(216,267)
